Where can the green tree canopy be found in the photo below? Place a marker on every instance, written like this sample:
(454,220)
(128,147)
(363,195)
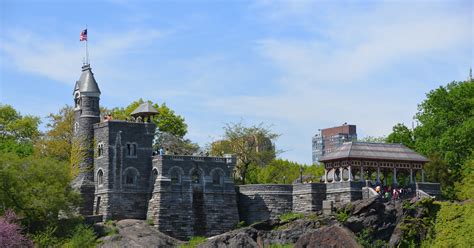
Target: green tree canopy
(17,132)
(37,189)
(401,134)
(446,128)
(251,145)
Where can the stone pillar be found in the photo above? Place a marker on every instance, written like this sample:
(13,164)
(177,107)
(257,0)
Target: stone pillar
(325,175)
(378,174)
(340,174)
(361,173)
(350,173)
(411,176)
(422,175)
(395,175)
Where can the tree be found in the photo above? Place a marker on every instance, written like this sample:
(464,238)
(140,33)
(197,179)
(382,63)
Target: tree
(174,144)
(402,135)
(251,145)
(166,120)
(17,132)
(10,232)
(373,139)
(37,189)
(446,128)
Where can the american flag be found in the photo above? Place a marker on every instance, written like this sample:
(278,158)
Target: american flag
(83,36)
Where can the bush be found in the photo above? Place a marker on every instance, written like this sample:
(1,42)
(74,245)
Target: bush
(342,215)
(290,216)
(10,232)
(194,242)
(240,225)
(83,237)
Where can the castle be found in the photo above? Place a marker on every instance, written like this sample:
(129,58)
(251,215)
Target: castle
(183,196)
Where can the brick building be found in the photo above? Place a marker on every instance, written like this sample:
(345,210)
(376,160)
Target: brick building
(330,138)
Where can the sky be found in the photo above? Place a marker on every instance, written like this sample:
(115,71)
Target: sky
(296,66)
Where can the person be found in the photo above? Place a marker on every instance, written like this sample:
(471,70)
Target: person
(161,150)
(377,189)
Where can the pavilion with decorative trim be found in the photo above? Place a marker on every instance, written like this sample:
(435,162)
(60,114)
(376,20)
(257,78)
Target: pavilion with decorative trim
(359,161)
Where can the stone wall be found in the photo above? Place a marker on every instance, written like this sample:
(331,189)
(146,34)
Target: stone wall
(308,198)
(124,190)
(344,192)
(187,199)
(432,189)
(259,202)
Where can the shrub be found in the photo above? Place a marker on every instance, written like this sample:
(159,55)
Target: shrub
(281,246)
(83,237)
(10,232)
(342,215)
(47,238)
(149,222)
(194,242)
(240,225)
(290,216)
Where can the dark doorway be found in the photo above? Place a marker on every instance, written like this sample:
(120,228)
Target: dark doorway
(199,215)
(97,208)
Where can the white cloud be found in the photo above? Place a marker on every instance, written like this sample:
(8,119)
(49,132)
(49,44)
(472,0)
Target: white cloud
(58,60)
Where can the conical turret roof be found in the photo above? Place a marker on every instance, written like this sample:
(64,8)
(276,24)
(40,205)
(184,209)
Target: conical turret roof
(145,109)
(86,82)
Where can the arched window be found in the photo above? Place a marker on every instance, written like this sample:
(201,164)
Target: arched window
(216,178)
(76,127)
(100,150)
(130,176)
(131,150)
(154,175)
(196,177)
(175,177)
(100,177)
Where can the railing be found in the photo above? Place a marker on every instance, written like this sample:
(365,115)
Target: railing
(197,158)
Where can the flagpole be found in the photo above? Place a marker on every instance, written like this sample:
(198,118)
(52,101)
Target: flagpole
(87,49)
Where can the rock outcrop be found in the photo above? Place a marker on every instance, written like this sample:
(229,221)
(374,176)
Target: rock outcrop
(133,233)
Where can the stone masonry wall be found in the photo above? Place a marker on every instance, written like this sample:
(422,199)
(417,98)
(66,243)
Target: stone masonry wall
(264,201)
(120,199)
(308,198)
(344,192)
(193,203)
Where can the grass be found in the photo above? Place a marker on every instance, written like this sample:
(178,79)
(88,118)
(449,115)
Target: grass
(194,242)
(290,216)
(342,215)
(281,246)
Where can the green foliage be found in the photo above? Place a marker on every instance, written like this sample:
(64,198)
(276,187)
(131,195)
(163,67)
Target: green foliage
(83,237)
(281,246)
(453,228)
(381,139)
(36,188)
(418,222)
(342,215)
(47,238)
(365,239)
(446,130)
(251,145)
(17,132)
(240,225)
(465,188)
(402,135)
(149,222)
(166,120)
(194,242)
(290,216)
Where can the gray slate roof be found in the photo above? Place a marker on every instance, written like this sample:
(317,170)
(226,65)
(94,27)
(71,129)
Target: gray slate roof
(378,151)
(86,82)
(144,109)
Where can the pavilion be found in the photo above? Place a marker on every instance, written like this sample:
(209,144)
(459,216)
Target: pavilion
(359,161)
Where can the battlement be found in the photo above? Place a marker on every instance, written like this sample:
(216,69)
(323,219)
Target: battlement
(226,160)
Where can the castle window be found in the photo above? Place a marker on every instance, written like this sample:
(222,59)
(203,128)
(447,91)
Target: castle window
(76,127)
(100,177)
(175,177)
(131,150)
(100,150)
(216,178)
(196,177)
(130,176)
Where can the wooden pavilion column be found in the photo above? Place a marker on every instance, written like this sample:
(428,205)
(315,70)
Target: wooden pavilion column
(422,175)
(411,175)
(340,174)
(350,173)
(378,174)
(325,175)
(395,175)
(361,173)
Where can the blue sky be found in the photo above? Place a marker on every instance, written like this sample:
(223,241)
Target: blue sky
(296,65)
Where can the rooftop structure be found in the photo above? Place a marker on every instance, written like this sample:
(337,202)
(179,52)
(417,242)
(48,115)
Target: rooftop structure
(330,138)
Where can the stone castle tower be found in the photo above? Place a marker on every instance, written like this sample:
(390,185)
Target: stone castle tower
(86,114)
